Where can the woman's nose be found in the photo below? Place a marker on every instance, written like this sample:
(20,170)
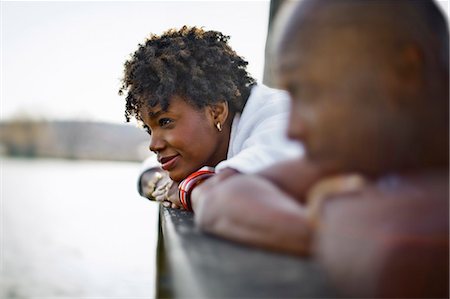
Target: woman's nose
(156,143)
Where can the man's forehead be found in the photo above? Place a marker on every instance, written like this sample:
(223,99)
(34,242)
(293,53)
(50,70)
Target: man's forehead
(298,56)
(290,76)
(288,62)
(321,46)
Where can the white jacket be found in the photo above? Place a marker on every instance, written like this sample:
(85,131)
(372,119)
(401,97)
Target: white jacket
(258,135)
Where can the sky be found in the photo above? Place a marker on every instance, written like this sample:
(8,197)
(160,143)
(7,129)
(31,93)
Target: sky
(64,60)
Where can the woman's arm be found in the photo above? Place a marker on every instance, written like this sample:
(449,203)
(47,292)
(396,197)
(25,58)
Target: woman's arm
(251,210)
(254,210)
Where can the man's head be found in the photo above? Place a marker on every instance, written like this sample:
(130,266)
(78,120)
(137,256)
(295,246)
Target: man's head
(369,83)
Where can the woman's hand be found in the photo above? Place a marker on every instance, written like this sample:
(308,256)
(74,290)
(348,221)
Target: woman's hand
(166,192)
(148,182)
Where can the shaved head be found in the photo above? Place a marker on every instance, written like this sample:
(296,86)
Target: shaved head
(385,25)
(367,72)
(412,17)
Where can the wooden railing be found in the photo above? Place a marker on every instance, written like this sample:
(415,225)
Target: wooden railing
(192,264)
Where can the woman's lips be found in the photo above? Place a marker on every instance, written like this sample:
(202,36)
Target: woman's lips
(167,163)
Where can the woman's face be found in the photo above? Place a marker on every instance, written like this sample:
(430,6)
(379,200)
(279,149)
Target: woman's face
(184,137)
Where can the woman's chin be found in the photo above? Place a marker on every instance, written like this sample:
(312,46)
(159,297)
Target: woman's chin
(177,176)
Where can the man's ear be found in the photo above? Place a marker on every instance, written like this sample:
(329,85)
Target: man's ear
(411,65)
(407,79)
(219,112)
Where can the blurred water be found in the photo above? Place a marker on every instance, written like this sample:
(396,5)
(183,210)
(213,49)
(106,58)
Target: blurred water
(74,230)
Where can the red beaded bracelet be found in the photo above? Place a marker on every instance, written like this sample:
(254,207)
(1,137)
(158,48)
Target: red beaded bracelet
(188,184)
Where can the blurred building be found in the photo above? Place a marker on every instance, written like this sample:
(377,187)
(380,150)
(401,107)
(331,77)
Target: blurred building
(73,140)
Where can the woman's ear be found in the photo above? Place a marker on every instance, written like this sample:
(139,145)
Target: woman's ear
(219,112)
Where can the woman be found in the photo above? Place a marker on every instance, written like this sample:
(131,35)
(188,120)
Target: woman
(193,95)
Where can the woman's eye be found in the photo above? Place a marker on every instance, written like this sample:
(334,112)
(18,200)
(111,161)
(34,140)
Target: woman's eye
(164,121)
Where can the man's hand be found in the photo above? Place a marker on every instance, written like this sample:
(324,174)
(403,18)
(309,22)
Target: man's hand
(296,176)
(327,188)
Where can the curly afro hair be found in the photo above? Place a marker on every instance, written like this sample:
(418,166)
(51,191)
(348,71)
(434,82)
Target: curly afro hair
(192,63)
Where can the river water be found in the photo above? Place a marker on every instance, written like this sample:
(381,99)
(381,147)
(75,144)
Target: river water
(73,229)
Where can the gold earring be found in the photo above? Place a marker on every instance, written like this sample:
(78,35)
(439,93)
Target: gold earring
(219,127)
